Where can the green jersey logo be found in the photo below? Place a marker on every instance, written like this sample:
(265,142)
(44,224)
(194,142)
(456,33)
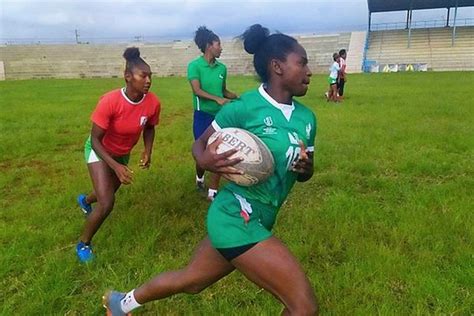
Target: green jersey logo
(268,130)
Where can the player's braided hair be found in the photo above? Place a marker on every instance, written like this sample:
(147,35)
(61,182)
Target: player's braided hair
(265,47)
(204,36)
(132,56)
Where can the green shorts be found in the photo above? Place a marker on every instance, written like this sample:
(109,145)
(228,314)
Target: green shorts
(332,81)
(91,156)
(234,221)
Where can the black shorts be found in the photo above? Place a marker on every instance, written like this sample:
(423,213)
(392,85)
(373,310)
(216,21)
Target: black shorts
(232,253)
(340,87)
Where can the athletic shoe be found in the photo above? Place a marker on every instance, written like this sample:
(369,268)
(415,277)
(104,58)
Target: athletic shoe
(111,301)
(84,252)
(201,188)
(85,207)
(211,196)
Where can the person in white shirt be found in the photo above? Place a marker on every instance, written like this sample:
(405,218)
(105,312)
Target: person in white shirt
(331,95)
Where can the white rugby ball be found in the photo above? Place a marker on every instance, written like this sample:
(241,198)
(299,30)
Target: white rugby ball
(257,163)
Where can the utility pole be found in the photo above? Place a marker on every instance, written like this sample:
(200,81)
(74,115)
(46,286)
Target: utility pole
(76,32)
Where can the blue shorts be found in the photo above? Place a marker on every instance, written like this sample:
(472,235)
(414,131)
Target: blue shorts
(201,122)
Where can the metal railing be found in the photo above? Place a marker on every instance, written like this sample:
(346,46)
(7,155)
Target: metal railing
(419,24)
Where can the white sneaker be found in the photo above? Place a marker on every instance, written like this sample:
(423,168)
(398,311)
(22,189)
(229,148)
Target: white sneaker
(211,195)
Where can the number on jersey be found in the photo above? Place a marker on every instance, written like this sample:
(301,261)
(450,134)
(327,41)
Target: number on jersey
(293,152)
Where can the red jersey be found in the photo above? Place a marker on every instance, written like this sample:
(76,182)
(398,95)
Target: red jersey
(124,120)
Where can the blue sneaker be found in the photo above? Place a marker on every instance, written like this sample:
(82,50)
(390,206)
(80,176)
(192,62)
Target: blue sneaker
(84,252)
(85,207)
(111,301)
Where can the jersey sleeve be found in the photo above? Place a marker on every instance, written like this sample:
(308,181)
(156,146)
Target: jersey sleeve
(193,71)
(312,127)
(103,113)
(155,118)
(230,115)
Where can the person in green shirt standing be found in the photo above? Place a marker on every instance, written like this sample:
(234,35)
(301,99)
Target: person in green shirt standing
(207,77)
(240,219)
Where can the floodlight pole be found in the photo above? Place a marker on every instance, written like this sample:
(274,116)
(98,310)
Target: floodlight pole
(76,32)
(454,24)
(409,27)
(447,20)
(408,15)
(370,19)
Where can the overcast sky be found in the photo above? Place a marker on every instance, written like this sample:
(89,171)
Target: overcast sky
(43,20)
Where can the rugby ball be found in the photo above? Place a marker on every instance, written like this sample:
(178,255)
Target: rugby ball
(257,163)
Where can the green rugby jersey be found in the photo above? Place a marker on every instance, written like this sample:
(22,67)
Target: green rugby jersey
(279,126)
(212,78)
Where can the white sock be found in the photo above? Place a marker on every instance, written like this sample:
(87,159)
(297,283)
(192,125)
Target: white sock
(201,179)
(128,303)
(211,192)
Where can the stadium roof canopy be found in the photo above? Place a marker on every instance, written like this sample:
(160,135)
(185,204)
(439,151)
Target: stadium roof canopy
(404,5)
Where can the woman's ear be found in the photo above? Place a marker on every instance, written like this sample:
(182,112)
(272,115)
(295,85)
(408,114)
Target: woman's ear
(275,66)
(127,75)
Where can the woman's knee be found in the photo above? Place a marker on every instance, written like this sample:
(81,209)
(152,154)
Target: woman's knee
(311,308)
(305,306)
(191,283)
(106,205)
(193,287)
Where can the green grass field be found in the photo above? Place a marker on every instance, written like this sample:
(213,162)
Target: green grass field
(384,227)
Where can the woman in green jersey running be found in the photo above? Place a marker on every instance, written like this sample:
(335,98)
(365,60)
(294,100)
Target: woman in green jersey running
(240,219)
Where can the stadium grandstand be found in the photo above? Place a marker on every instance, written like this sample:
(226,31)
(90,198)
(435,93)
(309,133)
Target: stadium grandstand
(409,45)
(426,45)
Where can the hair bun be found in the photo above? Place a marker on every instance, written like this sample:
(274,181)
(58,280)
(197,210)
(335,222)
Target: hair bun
(254,37)
(131,53)
(204,36)
(203,31)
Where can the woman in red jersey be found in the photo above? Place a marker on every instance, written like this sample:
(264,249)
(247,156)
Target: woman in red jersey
(117,122)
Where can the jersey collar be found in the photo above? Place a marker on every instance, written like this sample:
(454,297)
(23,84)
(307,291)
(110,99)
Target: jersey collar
(286,109)
(206,64)
(130,101)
